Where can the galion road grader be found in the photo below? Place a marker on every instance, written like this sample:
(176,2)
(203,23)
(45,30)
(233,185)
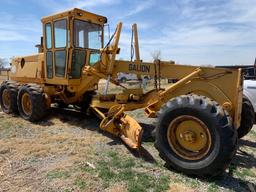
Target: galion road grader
(197,117)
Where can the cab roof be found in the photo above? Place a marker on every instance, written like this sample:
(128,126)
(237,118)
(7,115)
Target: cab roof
(78,14)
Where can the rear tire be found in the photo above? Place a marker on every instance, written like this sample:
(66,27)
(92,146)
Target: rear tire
(247,118)
(216,136)
(8,97)
(31,103)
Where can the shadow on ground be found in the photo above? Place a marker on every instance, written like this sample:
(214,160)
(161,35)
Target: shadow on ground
(242,159)
(78,119)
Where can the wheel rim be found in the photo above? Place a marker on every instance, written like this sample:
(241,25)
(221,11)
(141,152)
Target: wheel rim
(26,104)
(6,99)
(189,137)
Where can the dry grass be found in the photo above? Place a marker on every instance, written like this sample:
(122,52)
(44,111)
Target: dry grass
(53,156)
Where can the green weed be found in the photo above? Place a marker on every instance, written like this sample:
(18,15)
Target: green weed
(56,174)
(113,168)
(80,183)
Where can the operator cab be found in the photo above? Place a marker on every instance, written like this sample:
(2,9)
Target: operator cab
(72,39)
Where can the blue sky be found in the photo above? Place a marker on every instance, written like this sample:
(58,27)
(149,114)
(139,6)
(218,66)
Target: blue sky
(218,32)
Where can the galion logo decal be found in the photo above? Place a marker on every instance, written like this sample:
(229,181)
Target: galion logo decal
(139,68)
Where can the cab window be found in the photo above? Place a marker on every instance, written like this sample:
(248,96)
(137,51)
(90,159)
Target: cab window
(94,58)
(60,63)
(49,56)
(48,31)
(60,33)
(87,35)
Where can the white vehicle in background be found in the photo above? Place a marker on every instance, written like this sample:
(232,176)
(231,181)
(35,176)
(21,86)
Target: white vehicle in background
(250,92)
(123,77)
(248,108)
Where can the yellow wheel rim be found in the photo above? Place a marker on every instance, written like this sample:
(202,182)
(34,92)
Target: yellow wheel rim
(189,137)
(26,104)
(6,99)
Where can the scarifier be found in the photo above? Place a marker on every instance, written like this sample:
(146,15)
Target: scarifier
(197,117)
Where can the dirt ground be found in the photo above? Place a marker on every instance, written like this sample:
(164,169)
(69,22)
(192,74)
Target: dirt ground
(68,152)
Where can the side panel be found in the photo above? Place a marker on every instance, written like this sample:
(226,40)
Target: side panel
(228,82)
(28,69)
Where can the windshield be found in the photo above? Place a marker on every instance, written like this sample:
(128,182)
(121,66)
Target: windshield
(87,35)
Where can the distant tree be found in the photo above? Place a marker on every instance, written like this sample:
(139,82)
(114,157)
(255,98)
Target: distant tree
(208,65)
(10,61)
(2,62)
(156,54)
(11,58)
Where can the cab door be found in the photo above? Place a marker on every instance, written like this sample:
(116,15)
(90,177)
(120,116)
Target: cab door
(48,51)
(87,41)
(56,41)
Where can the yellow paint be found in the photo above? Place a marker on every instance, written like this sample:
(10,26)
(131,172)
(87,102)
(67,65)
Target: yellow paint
(222,85)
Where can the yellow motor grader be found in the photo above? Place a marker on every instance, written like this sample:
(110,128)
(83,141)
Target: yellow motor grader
(197,117)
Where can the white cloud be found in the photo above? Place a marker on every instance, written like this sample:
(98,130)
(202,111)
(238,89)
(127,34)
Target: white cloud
(140,25)
(24,28)
(58,6)
(188,31)
(94,3)
(139,7)
(6,35)
(207,33)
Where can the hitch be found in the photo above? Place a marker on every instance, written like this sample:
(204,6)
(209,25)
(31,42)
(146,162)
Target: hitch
(122,125)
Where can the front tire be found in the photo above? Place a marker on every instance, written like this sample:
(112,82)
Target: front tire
(31,102)
(195,135)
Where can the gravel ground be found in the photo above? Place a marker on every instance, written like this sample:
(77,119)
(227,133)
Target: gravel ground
(68,152)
